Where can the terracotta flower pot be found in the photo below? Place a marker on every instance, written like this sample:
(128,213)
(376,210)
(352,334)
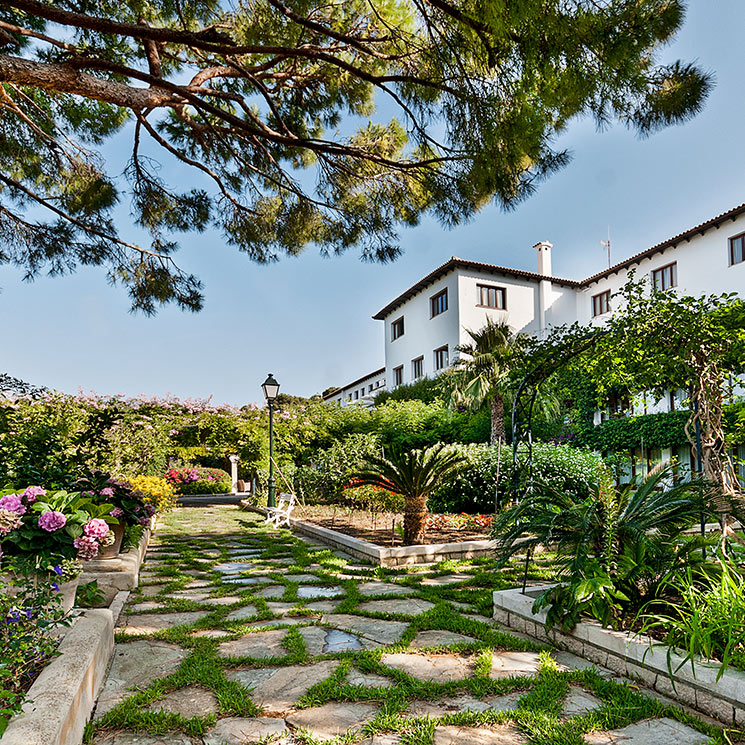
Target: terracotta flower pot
(112,551)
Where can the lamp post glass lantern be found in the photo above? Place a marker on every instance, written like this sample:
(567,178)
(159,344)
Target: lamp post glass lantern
(271,390)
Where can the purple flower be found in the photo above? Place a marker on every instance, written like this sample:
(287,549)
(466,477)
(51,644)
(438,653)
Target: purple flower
(33,492)
(87,547)
(55,586)
(107,492)
(58,570)
(144,521)
(150,509)
(117,512)
(96,528)
(51,521)
(13,503)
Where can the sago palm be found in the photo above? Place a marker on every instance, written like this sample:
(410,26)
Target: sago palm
(482,372)
(414,474)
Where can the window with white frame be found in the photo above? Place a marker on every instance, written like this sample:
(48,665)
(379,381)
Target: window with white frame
(397,328)
(601,303)
(417,368)
(438,303)
(398,375)
(665,277)
(737,249)
(441,358)
(492,297)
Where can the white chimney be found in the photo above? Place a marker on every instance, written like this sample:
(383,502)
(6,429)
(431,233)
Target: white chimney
(544,258)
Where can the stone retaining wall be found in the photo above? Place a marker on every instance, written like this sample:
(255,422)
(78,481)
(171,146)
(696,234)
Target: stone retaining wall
(386,556)
(632,655)
(121,573)
(61,699)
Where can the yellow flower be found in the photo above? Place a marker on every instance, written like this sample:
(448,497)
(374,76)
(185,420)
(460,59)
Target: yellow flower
(157,491)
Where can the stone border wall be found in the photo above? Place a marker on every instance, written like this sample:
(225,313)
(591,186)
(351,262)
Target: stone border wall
(387,557)
(632,655)
(61,699)
(115,575)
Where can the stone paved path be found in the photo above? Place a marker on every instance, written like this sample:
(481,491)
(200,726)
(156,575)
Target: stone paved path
(242,635)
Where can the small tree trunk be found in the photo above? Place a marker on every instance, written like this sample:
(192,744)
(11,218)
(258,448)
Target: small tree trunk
(415,520)
(498,431)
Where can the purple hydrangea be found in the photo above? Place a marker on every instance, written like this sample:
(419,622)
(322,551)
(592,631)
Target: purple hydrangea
(107,492)
(150,510)
(144,521)
(87,547)
(117,512)
(13,503)
(51,521)
(96,528)
(33,493)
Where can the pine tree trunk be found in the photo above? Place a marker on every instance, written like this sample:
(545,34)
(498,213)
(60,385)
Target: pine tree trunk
(415,520)
(498,431)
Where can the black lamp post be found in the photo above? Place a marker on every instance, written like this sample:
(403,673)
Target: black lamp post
(271,388)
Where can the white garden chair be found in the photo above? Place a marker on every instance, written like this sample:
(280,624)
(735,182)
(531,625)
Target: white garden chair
(280,515)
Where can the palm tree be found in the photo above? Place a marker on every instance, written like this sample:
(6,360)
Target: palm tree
(483,373)
(413,474)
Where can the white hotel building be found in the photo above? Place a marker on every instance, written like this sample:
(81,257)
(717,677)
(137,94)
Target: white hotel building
(425,323)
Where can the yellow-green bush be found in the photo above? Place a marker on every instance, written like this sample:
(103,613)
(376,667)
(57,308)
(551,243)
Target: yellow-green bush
(157,491)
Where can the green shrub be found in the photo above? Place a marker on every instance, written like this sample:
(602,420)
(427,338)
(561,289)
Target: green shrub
(489,471)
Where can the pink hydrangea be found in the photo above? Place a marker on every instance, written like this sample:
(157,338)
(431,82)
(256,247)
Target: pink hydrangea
(51,521)
(9,521)
(107,492)
(87,547)
(13,503)
(33,493)
(96,528)
(117,512)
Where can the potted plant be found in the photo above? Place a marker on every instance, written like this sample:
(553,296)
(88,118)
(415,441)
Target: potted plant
(48,535)
(127,506)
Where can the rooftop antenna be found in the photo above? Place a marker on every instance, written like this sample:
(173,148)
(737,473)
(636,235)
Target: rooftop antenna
(607,245)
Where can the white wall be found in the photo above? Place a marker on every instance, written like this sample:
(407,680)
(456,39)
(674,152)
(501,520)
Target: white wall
(366,390)
(422,334)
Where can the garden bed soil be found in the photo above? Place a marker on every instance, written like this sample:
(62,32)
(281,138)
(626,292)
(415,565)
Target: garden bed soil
(379,529)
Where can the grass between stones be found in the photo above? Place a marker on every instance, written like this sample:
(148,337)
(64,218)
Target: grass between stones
(193,541)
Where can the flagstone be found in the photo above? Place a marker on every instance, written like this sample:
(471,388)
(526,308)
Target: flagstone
(579,702)
(382,588)
(195,583)
(211,633)
(435,668)
(323,606)
(147,605)
(277,689)
(149,591)
(224,600)
(375,629)
(232,567)
(404,606)
(279,608)
(438,638)
(244,731)
(229,579)
(193,595)
(504,664)
(455,735)
(325,641)
(141,738)
(137,664)
(261,644)
(465,702)
(300,577)
(386,738)
(188,702)
(152,622)
(240,613)
(273,591)
(658,731)
(446,579)
(311,591)
(356,677)
(332,720)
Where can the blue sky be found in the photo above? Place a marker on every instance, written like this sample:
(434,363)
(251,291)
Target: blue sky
(308,320)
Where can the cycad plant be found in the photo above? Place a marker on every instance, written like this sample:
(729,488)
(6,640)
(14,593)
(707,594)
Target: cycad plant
(614,548)
(413,474)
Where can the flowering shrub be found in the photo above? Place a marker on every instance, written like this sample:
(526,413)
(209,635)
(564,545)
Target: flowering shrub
(488,471)
(29,610)
(157,492)
(462,521)
(40,530)
(198,480)
(126,504)
(372,498)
